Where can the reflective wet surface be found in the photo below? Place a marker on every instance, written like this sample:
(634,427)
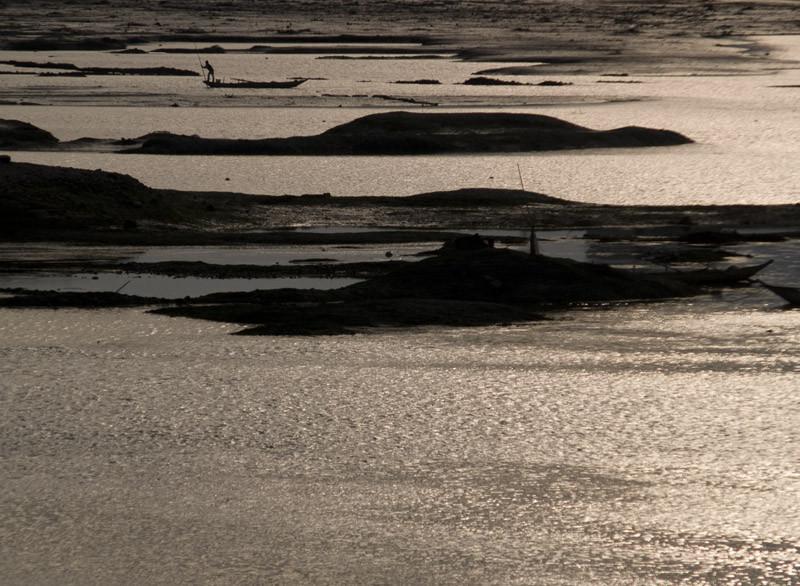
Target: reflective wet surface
(744,128)
(629,445)
(638,255)
(649,445)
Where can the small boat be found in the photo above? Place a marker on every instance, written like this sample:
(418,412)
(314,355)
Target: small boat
(788,294)
(248,84)
(711,277)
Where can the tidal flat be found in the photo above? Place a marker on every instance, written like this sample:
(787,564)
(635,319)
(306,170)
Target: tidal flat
(643,443)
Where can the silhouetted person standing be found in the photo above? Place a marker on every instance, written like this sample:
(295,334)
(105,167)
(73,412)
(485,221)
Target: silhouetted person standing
(210,70)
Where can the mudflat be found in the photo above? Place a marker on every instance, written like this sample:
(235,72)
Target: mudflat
(585,36)
(613,39)
(467,282)
(39,202)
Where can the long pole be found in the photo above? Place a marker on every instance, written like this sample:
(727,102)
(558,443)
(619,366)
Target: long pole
(534,238)
(202,69)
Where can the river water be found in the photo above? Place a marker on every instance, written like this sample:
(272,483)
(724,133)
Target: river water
(745,128)
(645,445)
(648,445)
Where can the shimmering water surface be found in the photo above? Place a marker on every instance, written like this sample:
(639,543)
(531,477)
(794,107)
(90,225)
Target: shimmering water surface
(744,126)
(638,445)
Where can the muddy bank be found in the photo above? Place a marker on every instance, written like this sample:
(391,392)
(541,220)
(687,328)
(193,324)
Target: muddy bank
(17,134)
(316,268)
(456,287)
(75,70)
(409,133)
(44,203)
(395,133)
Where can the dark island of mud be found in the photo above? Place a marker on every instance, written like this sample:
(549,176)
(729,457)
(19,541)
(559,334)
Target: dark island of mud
(60,204)
(412,133)
(459,285)
(458,288)
(401,133)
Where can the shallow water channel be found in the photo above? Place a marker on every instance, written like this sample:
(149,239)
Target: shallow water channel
(644,444)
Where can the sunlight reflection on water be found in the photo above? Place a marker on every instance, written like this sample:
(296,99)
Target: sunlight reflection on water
(627,446)
(745,128)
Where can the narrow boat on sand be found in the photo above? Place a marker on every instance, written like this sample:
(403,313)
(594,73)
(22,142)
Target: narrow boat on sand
(720,277)
(788,294)
(248,84)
